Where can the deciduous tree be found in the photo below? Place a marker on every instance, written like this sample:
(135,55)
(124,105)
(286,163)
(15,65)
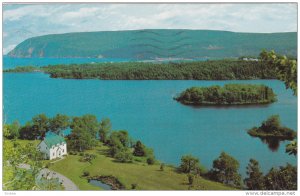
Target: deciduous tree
(255,179)
(225,170)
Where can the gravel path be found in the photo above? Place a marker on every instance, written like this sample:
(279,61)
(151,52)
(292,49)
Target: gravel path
(66,182)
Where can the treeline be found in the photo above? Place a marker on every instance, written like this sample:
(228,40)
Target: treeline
(37,127)
(23,69)
(230,94)
(85,133)
(202,70)
(225,170)
(208,70)
(272,128)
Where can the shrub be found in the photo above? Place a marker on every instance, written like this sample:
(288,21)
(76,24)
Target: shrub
(138,159)
(139,149)
(124,156)
(47,165)
(73,153)
(85,173)
(150,160)
(162,167)
(87,157)
(81,154)
(133,186)
(190,179)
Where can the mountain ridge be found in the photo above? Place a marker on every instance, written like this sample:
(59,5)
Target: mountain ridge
(156,43)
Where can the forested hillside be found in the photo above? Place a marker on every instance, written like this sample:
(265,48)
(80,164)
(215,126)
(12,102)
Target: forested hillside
(152,44)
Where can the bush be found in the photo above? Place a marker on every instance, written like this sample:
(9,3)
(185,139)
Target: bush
(85,173)
(87,157)
(133,186)
(150,160)
(138,159)
(81,154)
(124,156)
(162,167)
(190,179)
(139,149)
(47,165)
(73,153)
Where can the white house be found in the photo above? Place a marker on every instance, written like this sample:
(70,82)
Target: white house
(53,146)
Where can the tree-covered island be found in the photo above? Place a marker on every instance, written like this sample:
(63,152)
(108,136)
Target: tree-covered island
(228,69)
(272,128)
(230,94)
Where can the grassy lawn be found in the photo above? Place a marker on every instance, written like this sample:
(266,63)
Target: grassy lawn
(147,177)
(24,142)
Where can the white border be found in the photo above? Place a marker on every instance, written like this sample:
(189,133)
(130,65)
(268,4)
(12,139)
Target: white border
(134,193)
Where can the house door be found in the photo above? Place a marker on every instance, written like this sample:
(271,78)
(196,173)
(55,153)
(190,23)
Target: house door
(58,152)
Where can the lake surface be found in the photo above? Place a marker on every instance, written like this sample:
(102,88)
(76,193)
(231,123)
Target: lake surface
(146,109)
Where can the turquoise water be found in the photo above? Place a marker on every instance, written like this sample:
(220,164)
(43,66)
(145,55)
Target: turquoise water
(146,109)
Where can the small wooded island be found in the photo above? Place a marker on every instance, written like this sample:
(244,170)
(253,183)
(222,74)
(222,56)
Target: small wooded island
(230,94)
(272,128)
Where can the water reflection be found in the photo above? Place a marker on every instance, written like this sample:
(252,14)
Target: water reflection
(273,143)
(229,106)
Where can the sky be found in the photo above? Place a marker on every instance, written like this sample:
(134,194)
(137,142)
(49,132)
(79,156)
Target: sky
(22,21)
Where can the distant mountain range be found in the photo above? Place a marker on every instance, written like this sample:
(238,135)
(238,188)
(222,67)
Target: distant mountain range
(156,43)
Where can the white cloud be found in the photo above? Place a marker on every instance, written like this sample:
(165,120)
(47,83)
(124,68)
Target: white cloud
(4,34)
(60,18)
(8,48)
(81,13)
(19,13)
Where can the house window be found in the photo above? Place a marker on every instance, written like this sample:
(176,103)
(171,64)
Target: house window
(63,150)
(53,153)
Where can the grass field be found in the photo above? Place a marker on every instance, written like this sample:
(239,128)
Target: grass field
(147,177)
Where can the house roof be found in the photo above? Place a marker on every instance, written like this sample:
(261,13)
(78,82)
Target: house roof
(52,139)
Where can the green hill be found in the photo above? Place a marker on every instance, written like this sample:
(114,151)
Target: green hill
(151,44)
